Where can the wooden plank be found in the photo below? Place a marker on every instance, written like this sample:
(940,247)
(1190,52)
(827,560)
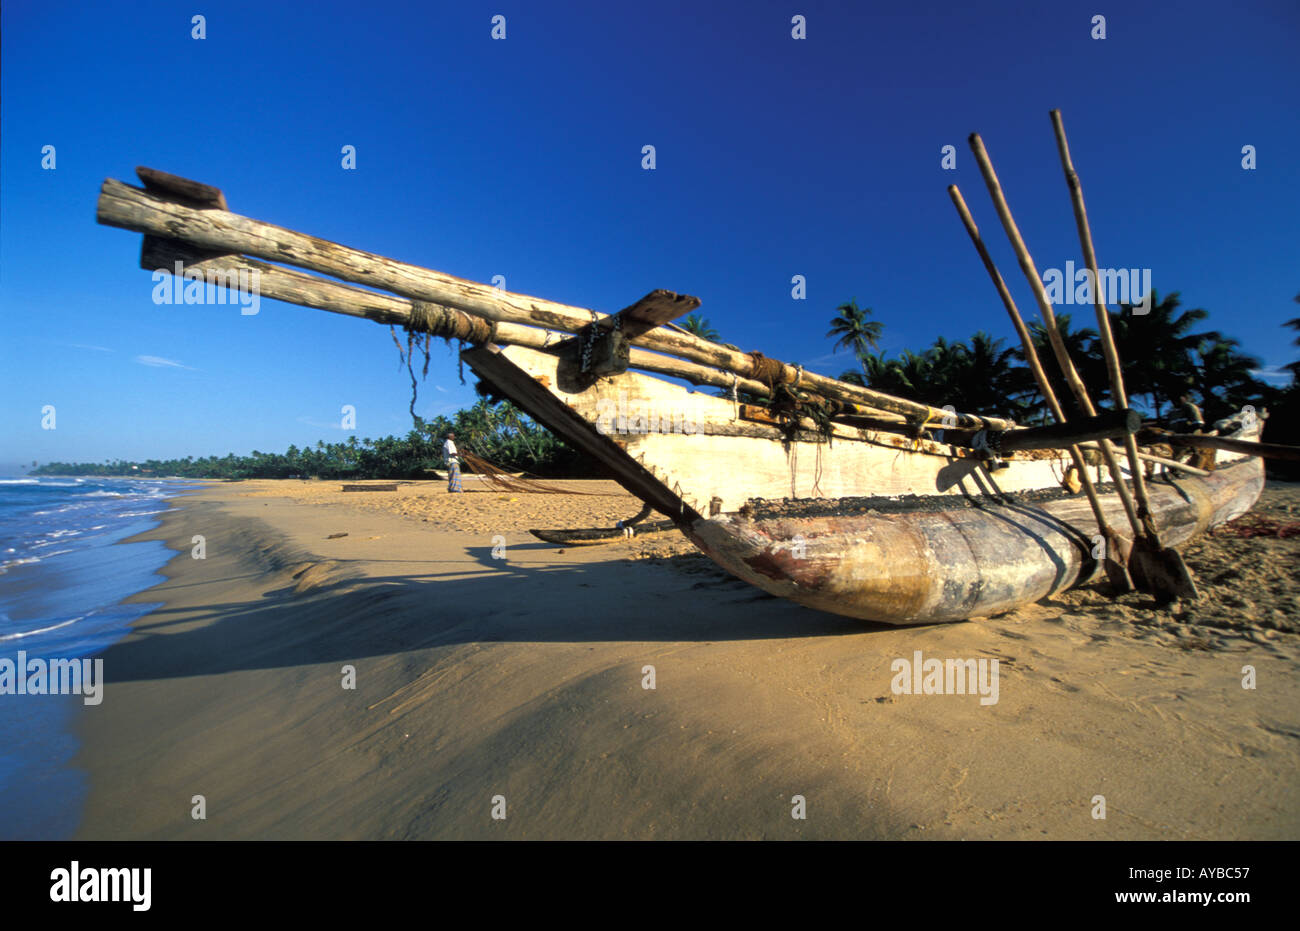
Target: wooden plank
(1080,430)
(591,536)
(690,442)
(655,309)
(492,365)
(182,190)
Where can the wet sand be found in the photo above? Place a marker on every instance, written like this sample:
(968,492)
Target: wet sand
(522,676)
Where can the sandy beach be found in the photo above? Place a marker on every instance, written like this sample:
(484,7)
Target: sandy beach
(522,677)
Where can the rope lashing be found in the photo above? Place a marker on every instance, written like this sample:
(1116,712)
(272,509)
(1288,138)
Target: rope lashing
(446,323)
(920,430)
(429,320)
(770,372)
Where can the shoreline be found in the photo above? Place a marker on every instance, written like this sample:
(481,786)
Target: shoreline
(522,677)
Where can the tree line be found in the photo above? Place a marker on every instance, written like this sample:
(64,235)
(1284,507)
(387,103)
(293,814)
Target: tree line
(1164,355)
(494,430)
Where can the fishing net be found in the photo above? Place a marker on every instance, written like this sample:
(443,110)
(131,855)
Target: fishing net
(1259,525)
(502,480)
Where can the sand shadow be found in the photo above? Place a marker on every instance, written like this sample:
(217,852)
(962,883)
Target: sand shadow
(348,617)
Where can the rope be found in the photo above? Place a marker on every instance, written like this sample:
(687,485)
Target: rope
(446,323)
(433,320)
(770,372)
(920,430)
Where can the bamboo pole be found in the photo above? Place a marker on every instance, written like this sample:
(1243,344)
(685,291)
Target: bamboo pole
(131,208)
(1161,460)
(1113,368)
(1116,552)
(1049,321)
(1228,444)
(1156,568)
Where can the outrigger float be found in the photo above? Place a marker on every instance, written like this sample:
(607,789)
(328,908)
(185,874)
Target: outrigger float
(830,494)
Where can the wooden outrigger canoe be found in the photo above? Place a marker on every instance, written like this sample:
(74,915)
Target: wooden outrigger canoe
(864,523)
(861,504)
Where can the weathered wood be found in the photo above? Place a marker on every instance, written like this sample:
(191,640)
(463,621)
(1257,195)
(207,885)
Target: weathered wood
(1228,444)
(603,345)
(1115,559)
(538,402)
(1030,271)
(1056,436)
(1159,460)
(295,287)
(930,565)
(589,536)
(1154,567)
(655,309)
(220,231)
(1105,337)
(181,190)
(696,445)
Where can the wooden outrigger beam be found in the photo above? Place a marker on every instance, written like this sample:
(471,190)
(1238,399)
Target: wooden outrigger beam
(295,287)
(1227,444)
(160,214)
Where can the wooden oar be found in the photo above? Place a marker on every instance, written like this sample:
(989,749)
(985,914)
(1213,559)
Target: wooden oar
(1115,558)
(1157,569)
(1163,565)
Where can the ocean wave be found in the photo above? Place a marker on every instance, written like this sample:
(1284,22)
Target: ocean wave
(18,481)
(42,630)
(9,563)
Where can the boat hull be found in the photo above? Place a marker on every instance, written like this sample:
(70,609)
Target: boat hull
(925,564)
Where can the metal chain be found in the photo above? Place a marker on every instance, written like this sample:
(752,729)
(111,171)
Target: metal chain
(590,341)
(593,334)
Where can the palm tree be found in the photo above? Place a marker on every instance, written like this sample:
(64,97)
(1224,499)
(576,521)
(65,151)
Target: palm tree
(853,331)
(1084,350)
(699,326)
(1156,349)
(1294,323)
(1221,376)
(989,382)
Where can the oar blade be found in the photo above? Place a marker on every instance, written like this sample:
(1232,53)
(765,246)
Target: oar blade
(1161,571)
(1116,562)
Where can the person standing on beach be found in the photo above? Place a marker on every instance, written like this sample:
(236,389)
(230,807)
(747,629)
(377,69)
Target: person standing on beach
(452,455)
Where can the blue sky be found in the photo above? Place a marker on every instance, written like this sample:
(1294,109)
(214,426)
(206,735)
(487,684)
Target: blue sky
(522,158)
